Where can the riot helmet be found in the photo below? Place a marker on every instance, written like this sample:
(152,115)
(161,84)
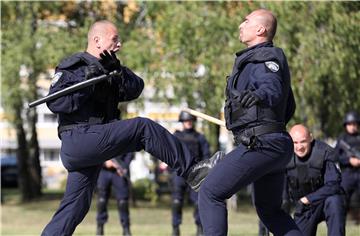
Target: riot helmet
(351,117)
(186,116)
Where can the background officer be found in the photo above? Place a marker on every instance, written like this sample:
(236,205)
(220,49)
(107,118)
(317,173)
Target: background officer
(313,182)
(91,132)
(115,173)
(349,160)
(199,148)
(259,103)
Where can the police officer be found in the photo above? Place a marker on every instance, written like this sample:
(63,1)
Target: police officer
(349,162)
(313,182)
(259,103)
(114,173)
(91,133)
(199,148)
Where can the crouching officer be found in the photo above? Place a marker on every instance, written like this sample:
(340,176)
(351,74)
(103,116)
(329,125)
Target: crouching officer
(313,182)
(348,148)
(199,148)
(114,173)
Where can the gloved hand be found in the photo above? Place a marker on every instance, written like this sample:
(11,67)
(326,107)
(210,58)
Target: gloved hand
(249,99)
(110,61)
(91,71)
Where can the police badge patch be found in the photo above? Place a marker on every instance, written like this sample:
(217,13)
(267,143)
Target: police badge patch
(55,78)
(273,66)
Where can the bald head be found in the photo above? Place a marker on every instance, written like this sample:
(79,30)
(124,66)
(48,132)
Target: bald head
(99,28)
(102,35)
(268,20)
(302,139)
(258,27)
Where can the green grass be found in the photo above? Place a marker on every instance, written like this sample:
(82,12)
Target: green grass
(146,219)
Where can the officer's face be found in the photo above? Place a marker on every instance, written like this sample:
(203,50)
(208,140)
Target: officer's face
(110,40)
(302,143)
(188,124)
(248,28)
(352,128)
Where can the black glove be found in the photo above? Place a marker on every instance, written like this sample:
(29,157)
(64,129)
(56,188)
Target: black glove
(92,71)
(109,61)
(249,99)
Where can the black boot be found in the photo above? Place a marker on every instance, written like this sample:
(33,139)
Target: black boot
(100,229)
(176,231)
(201,169)
(126,231)
(199,230)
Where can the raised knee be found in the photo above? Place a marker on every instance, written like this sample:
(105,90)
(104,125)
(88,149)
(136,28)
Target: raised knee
(335,204)
(208,191)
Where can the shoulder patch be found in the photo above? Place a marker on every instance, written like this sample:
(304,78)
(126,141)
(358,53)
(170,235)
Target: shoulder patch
(273,66)
(55,78)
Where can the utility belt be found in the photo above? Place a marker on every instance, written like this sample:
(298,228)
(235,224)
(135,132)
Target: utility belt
(63,128)
(248,136)
(92,121)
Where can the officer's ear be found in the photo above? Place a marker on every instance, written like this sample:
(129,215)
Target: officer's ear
(97,41)
(261,30)
(311,137)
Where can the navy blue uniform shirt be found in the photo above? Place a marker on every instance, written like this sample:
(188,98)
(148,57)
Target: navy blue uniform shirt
(94,104)
(263,69)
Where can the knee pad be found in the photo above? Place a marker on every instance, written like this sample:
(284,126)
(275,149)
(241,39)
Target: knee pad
(101,203)
(176,205)
(123,205)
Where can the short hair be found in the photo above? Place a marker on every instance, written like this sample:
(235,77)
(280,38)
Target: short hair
(268,19)
(98,26)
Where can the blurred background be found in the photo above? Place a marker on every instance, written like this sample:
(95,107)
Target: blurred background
(183,51)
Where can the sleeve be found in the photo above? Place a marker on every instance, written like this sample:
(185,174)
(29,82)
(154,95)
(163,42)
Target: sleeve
(290,107)
(267,85)
(285,195)
(332,180)
(129,84)
(205,147)
(71,102)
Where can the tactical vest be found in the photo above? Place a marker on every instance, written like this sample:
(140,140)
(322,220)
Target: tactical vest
(238,117)
(306,177)
(191,139)
(103,102)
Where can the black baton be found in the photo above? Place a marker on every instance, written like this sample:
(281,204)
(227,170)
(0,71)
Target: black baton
(73,88)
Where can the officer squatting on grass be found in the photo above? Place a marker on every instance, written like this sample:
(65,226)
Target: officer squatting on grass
(312,185)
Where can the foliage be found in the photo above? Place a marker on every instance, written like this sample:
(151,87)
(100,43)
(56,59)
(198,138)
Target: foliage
(322,44)
(144,189)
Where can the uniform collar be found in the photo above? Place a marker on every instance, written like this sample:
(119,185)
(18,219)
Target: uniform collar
(265,44)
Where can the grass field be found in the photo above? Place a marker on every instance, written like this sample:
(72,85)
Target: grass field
(146,219)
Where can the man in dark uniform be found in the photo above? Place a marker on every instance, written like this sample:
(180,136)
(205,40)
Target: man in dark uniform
(199,148)
(91,133)
(114,173)
(259,103)
(349,162)
(313,183)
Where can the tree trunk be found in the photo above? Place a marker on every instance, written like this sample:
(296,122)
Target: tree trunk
(34,153)
(22,156)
